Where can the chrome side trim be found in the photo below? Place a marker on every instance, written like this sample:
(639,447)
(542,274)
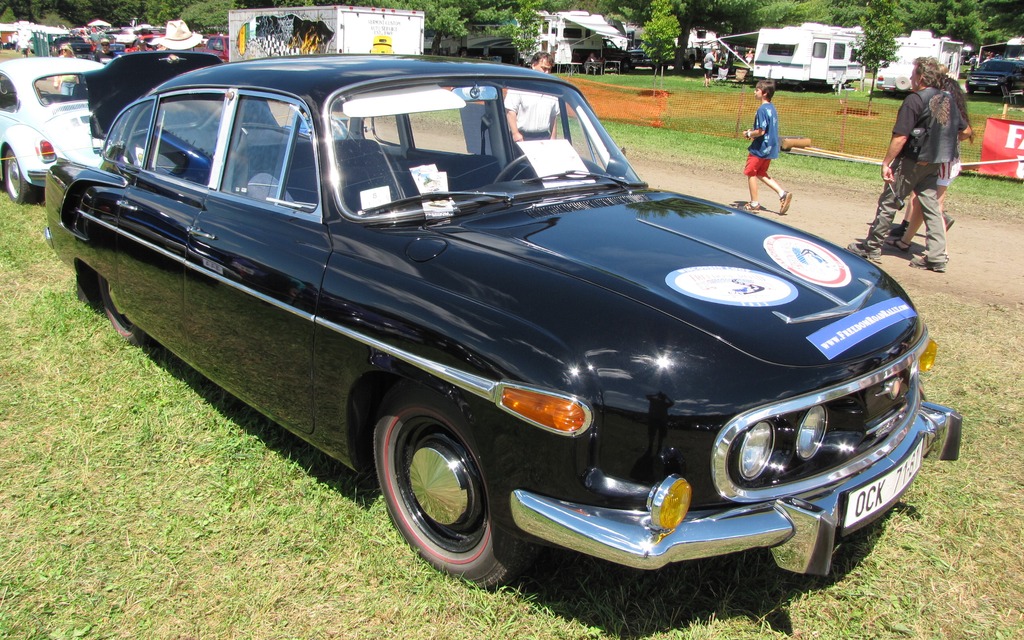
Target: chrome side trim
(486,388)
(729,490)
(474,384)
(799,529)
(182,260)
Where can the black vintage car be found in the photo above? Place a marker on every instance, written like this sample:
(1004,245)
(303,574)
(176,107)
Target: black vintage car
(527,344)
(997,76)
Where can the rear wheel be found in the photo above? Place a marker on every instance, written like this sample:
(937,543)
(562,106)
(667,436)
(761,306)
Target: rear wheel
(120,322)
(435,492)
(19,189)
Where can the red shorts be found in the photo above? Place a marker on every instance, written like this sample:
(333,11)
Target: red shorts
(756,167)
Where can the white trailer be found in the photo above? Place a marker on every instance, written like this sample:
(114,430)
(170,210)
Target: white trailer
(282,31)
(571,36)
(896,76)
(809,54)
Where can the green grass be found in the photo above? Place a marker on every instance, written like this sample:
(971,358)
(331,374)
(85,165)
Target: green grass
(139,500)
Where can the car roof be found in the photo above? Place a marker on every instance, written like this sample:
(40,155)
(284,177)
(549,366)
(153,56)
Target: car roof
(317,76)
(34,67)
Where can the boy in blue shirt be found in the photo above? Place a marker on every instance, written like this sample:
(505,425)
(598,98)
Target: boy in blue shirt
(764,148)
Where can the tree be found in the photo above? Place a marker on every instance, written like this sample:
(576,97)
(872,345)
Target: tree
(877,47)
(524,28)
(660,34)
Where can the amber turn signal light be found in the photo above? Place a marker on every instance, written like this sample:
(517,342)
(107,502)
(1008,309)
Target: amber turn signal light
(669,502)
(927,359)
(564,415)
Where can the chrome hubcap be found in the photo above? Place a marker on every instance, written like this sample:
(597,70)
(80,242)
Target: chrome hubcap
(440,484)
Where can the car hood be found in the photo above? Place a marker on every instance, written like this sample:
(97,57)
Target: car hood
(127,78)
(773,292)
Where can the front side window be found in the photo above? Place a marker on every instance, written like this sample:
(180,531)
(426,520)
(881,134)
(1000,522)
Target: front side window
(185,136)
(839,51)
(270,156)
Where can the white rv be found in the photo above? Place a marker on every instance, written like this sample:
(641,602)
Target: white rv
(809,54)
(896,76)
(571,36)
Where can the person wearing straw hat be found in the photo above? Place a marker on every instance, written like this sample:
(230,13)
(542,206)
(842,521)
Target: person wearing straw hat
(177,37)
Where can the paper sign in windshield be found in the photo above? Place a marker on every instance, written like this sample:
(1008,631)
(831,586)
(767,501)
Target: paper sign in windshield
(847,333)
(807,260)
(732,286)
(552,157)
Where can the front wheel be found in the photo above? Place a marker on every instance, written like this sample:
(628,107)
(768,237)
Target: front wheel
(435,492)
(19,189)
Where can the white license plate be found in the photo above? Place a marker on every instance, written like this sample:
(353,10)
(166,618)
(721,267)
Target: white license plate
(867,501)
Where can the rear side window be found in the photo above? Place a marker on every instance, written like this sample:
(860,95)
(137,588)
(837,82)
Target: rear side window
(185,136)
(126,141)
(8,97)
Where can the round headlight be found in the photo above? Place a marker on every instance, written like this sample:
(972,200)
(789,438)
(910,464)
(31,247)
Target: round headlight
(756,450)
(811,433)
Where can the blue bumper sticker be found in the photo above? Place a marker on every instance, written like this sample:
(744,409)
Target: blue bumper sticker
(844,334)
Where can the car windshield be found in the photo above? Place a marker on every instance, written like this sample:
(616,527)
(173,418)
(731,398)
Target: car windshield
(65,87)
(438,149)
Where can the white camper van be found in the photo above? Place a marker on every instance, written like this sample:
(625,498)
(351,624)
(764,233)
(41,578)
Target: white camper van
(809,54)
(896,76)
(571,36)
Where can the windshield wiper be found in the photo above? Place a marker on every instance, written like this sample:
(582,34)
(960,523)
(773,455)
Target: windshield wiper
(412,206)
(577,174)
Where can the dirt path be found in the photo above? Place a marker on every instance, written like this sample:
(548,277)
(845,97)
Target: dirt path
(984,265)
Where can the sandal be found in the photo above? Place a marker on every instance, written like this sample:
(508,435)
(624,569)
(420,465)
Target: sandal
(899,244)
(753,208)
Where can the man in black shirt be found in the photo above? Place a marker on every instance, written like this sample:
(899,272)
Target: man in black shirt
(925,135)
(104,54)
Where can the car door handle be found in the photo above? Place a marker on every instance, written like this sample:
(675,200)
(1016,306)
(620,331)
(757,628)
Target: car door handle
(199,233)
(127,205)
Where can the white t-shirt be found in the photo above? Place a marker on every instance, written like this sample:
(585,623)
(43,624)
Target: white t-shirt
(535,112)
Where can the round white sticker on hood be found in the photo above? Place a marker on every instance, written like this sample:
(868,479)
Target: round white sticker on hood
(807,260)
(731,285)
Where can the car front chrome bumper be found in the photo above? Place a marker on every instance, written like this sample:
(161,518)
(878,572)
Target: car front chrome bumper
(801,531)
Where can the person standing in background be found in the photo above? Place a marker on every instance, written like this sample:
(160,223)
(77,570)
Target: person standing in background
(531,116)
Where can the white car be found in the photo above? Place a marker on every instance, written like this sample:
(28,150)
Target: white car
(44,114)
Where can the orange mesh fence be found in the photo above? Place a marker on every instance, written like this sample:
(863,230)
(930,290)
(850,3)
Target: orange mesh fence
(831,122)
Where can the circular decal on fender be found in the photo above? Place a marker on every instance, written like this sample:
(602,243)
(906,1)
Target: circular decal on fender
(807,260)
(731,285)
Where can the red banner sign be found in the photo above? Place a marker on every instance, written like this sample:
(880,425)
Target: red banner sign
(1002,150)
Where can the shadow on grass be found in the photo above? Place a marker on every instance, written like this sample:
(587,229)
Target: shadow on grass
(630,603)
(620,601)
(360,487)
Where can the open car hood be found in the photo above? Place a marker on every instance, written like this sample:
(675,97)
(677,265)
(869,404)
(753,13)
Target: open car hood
(129,77)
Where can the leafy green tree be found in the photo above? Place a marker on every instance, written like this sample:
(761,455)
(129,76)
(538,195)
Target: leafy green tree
(660,33)
(877,47)
(1005,19)
(524,27)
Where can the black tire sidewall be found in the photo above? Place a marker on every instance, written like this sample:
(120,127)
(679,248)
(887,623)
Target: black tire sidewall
(481,564)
